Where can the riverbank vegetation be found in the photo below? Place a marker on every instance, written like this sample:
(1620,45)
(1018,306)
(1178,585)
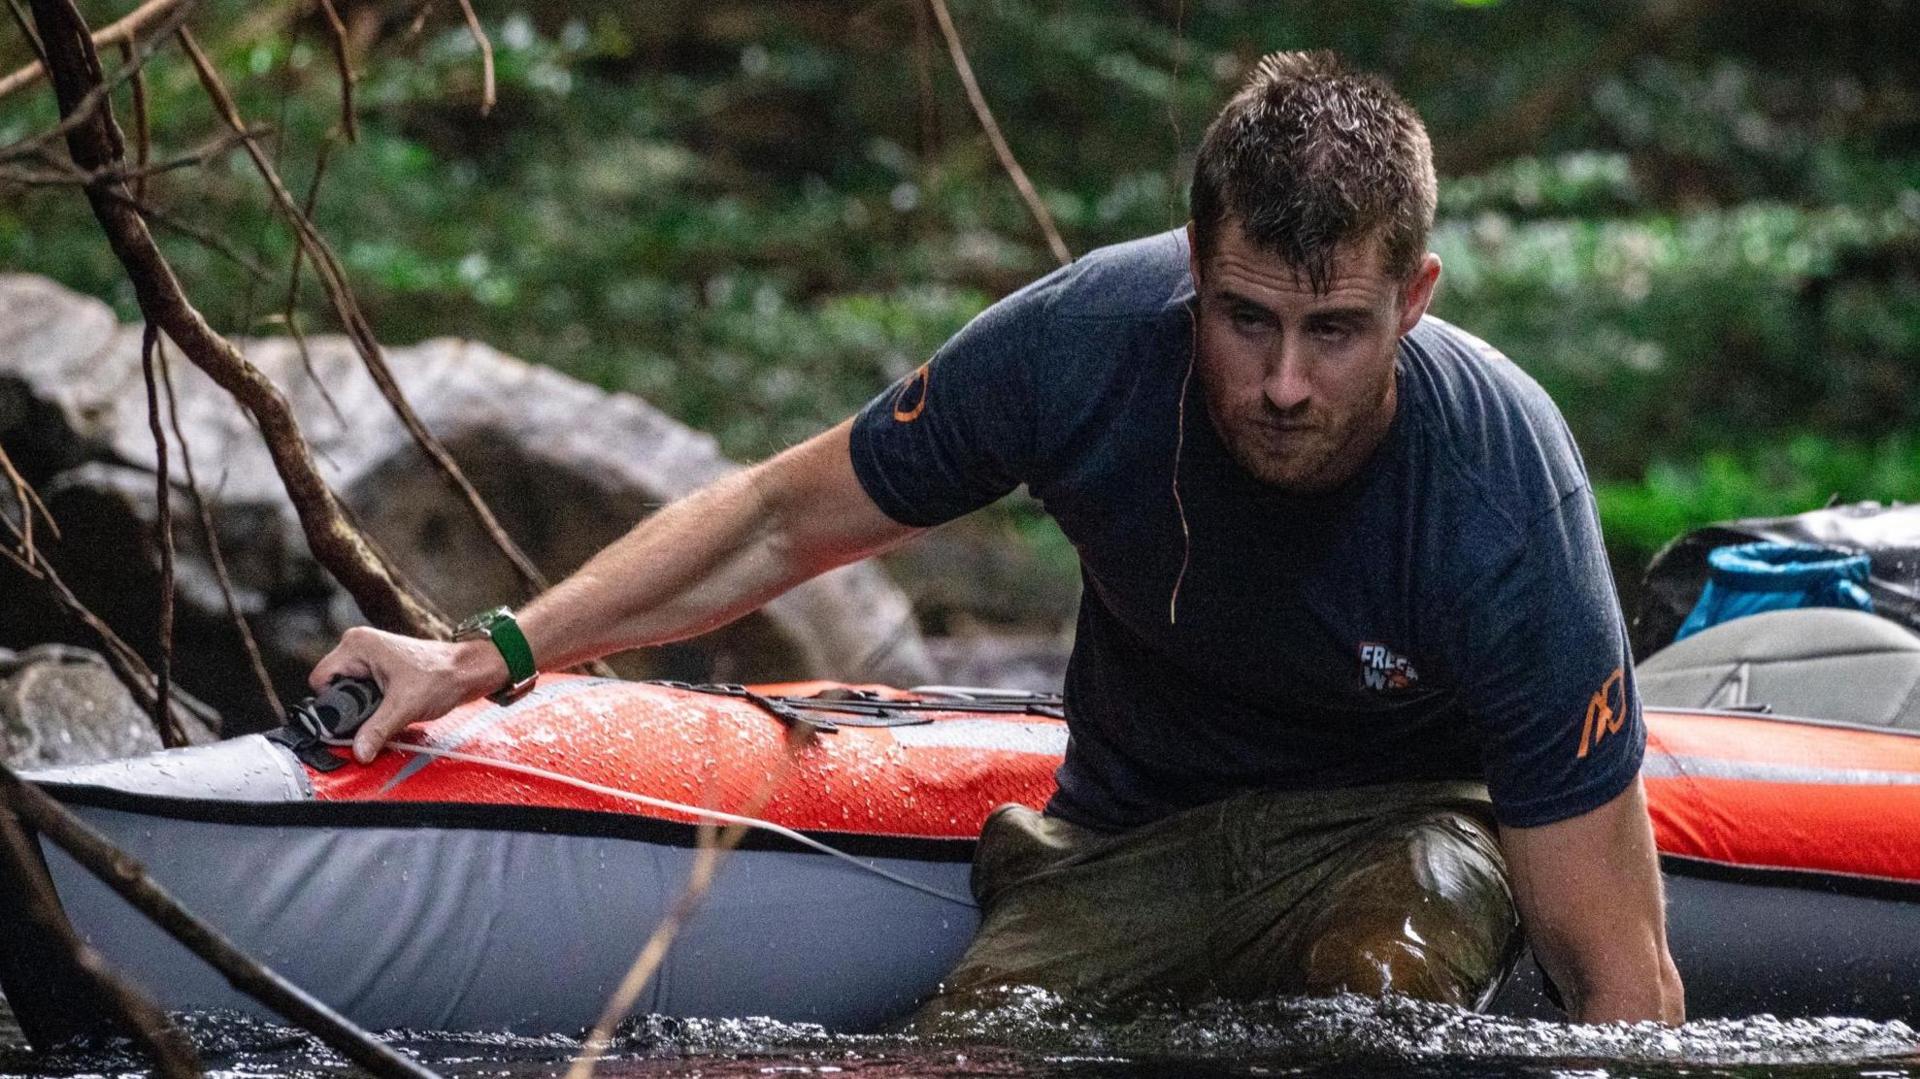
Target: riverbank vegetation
(1699,228)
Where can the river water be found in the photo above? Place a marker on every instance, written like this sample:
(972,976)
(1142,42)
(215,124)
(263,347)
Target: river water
(1029,1033)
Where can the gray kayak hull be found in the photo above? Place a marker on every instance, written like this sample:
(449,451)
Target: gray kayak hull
(460,927)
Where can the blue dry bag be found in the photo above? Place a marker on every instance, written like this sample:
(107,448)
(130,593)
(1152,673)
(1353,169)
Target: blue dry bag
(1749,578)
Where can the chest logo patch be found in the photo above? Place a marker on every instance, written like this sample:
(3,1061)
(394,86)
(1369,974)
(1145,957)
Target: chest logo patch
(1382,670)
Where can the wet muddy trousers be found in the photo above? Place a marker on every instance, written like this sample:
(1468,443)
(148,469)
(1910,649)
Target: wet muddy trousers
(1397,888)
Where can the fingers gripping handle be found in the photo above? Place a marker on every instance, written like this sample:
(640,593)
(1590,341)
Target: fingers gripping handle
(339,710)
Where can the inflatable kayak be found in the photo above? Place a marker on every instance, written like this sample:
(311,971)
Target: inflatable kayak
(506,881)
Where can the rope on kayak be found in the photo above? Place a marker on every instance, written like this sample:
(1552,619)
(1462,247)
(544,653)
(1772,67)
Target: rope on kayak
(714,815)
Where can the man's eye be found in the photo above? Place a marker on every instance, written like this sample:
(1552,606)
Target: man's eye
(1333,332)
(1247,319)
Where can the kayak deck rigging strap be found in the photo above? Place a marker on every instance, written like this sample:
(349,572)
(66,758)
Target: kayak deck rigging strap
(869,709)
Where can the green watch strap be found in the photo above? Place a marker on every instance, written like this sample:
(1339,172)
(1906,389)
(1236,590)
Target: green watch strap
(498,625)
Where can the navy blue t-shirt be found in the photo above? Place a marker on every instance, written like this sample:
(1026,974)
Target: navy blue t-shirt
(1447,613)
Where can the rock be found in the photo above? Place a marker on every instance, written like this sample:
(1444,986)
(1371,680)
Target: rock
(62,705)
(567,467)
(1034,662)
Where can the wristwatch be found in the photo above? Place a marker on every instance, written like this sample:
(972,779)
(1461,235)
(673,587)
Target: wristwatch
(498,626)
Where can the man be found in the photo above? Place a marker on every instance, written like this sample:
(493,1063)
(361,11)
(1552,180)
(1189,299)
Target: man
(1350,693)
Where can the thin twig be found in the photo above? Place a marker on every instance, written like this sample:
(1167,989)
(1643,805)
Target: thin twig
(29,500)
(333,277)
(120,872)
(293,290)
(992,128)
(486,56)
(173,1055)
(382,596)
(125,29)
(713,849)
(82,110)
(343,60)
(26,29)
(212,536)
(142,124)
(923,78)
(125,663)
(163,672)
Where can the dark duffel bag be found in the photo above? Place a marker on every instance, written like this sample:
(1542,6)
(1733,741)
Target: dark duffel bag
(1889,535)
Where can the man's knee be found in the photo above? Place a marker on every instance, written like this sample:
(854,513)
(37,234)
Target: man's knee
(1427,914)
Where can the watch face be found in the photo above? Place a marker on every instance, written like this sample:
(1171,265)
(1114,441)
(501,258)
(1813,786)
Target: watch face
(480,625)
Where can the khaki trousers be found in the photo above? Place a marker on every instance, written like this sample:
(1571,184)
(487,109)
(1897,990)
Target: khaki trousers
(1398,888)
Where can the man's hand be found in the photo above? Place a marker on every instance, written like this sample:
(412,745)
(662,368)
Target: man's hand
(1588,889)
(419,680)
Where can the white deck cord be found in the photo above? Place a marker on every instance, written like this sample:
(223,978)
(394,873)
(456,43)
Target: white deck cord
(677,807)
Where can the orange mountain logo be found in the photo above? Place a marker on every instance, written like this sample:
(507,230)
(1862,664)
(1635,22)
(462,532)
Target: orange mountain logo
(1606,711)
(1383,670)
(911,398)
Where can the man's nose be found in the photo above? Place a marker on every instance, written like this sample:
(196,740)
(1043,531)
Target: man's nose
(1287,385)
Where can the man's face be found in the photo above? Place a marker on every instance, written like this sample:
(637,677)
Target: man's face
(1300,384)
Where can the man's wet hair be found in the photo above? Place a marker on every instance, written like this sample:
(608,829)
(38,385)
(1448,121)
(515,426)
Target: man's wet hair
(1308,155)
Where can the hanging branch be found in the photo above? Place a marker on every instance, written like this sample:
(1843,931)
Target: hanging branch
(349,123)
(34,145)
(292,314)
(992,128)
(96,144)
(126,29)
(120,872)
(172,1053)
(212,537)
(26,28)
(486,53)
(142,123)
(713,847)
(333,279)
(125,663)
(163,675)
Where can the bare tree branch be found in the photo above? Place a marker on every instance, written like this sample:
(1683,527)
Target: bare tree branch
(172,1053)
(992,128)
(293,289)
(342,59)
(163,515)
(212,538)
(125,30)
(97,144)
(29,500)
(142,123)
(127,877)
(486,55)
(26,29)
(32,145)
(714,846)
(333,278)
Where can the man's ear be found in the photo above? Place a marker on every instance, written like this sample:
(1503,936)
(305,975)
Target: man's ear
(1193,255)
(1418,293)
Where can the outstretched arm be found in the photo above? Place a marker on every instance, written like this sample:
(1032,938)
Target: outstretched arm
(1588,890)
(692,566)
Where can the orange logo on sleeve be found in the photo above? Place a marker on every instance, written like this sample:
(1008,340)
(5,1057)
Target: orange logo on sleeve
(911,399)
(1606,711)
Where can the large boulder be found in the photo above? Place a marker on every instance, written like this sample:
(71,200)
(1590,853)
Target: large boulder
(567,468)
(62,705)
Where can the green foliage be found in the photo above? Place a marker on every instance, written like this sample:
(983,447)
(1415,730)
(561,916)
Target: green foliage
(1805,473)
(757,214)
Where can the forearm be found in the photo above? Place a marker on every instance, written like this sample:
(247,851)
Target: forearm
(1588,891)
(1619,984)
(691,566)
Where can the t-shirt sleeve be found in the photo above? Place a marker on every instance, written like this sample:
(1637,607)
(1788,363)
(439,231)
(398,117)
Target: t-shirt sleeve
(958,432)
(1547,673)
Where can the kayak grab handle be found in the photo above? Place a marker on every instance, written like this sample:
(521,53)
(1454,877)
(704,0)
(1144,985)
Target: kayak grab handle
(339,710)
